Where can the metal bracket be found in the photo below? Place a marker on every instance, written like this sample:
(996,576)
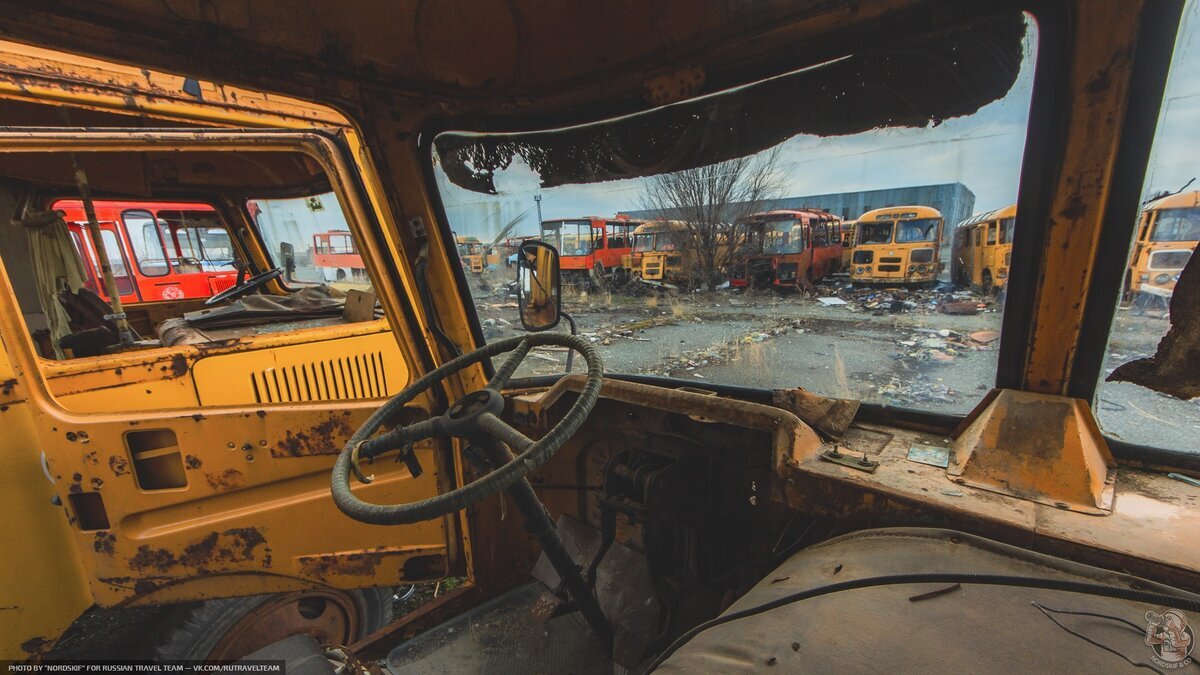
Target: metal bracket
(861,463)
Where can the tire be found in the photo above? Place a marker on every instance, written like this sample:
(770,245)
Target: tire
(198,631)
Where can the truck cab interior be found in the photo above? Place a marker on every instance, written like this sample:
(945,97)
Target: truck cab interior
(609,519)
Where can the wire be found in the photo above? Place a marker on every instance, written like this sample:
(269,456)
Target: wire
(1189,603)
(1138,664)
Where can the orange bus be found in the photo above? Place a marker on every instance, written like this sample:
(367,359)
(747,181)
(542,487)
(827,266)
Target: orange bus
(337,258)
(158,251)
(897,245)
(1168,232)
(592,249)
(981,252)
(787,249)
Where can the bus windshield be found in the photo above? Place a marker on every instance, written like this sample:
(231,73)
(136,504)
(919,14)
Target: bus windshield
(1177,225)
(644,243)
(784,236)
(570,237)
(875,233)
(911,231)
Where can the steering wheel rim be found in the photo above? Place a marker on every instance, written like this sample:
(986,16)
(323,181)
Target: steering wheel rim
(251,284)
(530,454)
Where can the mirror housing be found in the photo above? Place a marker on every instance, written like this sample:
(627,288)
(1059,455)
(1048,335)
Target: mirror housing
(539,288)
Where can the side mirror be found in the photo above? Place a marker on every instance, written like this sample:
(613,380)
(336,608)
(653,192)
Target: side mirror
(539,288)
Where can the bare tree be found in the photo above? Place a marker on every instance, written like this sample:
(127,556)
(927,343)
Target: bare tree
(710,200)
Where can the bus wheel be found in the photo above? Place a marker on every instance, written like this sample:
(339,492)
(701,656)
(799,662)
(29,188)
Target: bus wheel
(989,286)
(620,276)
(230,628)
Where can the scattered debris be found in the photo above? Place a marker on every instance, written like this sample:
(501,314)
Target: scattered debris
(929,454)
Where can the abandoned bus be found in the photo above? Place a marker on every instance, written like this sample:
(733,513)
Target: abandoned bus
(981,250)
(787,249)
(592,248)
(1168,232)
(897,245)
(666,254)
(847,228)
(717,482)
(157,250)
(470,251)
(336,257)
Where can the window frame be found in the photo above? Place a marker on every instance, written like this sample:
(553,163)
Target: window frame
(1044,143)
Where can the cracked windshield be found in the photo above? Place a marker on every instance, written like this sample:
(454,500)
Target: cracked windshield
(862,257)
(1138,399)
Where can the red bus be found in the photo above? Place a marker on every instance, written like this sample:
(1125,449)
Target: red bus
(592,248)
(158,251)
(337,258)
(786,249)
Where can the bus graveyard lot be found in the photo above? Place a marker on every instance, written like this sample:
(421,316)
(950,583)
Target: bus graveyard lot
(881,345)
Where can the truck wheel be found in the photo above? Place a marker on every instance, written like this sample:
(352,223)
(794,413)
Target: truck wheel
(231,628)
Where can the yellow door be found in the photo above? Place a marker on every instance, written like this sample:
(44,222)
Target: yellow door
(200,502)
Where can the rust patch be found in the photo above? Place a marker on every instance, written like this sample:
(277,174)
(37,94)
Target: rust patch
(229,479)
(179,365)
(118,465)
(322,439)
(91,458)
(104,542)
(97,483)
(1075,210)
(37,645)
(231,546)
(363,563)
(7,386)
(193,462)
(75,487)
(158,558)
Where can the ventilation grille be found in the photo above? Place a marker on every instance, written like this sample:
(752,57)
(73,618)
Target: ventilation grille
(218,284)
(359,376)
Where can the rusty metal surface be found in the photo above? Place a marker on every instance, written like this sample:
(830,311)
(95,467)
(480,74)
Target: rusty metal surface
(1175,367)
(1150,531)
(829,416)
(1043,448)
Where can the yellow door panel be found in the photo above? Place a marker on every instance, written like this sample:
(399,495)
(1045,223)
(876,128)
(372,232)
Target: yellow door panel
(156,500)
(45,588)
(365,366)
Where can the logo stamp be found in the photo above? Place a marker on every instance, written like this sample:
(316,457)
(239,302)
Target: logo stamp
(1171,638)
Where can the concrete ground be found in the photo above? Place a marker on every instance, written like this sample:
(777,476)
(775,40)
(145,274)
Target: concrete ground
(873,348)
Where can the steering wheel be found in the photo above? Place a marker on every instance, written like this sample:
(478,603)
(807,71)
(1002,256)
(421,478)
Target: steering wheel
(244,288)
(475,418)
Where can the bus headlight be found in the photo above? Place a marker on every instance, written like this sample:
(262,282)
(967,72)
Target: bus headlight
(912,268)
(1162,279)
(921,269)
(921,255)
(858,270)
(1002,273)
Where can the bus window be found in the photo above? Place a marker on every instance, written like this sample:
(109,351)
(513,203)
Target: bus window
(198,239)
(116,260)
(149,253)
(978,237)
(875,233)
(1177,225)
(1006,230)
(925,229)
(991,233)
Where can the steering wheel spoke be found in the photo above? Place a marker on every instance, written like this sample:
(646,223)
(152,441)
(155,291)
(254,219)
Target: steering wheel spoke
(504,432)
(502,376)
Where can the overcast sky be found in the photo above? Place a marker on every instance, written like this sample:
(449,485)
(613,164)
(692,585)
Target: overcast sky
(982,151)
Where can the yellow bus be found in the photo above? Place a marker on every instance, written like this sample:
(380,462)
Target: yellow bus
(982,250)
(847,242)
(1168,231)
(470,251)
(897,245)
(663,253)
